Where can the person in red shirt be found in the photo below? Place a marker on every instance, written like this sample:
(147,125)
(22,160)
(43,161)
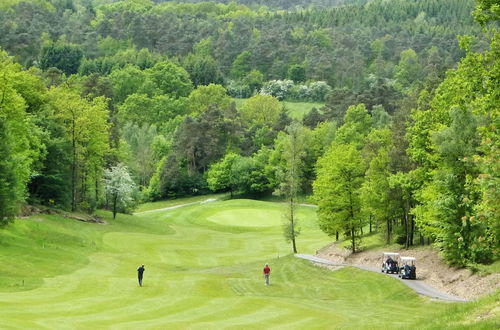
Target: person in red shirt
(267,272)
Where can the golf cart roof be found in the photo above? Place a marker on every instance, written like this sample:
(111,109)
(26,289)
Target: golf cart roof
(391,254)
(408,259)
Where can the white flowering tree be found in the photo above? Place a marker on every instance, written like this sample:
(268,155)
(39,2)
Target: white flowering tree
(119,188)
(277,88)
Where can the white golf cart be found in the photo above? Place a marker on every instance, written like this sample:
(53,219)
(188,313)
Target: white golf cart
(408,270)
(390,263)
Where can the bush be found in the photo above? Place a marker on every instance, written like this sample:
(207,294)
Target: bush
(278,88)
(318,91)
(238,89)
(286,89)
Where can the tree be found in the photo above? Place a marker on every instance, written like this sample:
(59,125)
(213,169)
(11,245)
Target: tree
(119,188)
(86,125)
(65,57)
(141,159)
(312,118)
(19,139)
(254,80)
(297,73)
(204,97)
(293,146)
(170,78)
(337,192)
(408,70)
(157,110)
(242,65)
(261,109)
(376,195)
(454,140)
(357,125)
(126,81)
(221,175)
(202,69)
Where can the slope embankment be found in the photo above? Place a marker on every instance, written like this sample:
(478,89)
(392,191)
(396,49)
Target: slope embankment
(431,270)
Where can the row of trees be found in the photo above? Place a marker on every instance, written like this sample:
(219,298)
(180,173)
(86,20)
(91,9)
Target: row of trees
(443,184)
(55,142)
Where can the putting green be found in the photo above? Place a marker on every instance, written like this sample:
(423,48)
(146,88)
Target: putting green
(248,218)
(201,273)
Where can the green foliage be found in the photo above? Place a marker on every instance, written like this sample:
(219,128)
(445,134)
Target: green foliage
(157,110)
(454,142)
(86,126)
(261,110)
(408,70)
(220,176)
(141,161)
(357,125)
(337,192)
(19,139)
(242,65)
(297,73)
(292,149)
(204,97)
(65,57)
(202,69)
(170,78)
(254,80)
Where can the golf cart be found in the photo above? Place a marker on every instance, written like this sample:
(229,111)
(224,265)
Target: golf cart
(408,270)
(390,263)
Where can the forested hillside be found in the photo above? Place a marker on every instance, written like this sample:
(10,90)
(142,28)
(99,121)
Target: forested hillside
(280,4)
(108,103)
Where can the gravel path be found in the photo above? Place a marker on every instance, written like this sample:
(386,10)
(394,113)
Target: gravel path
(418,286)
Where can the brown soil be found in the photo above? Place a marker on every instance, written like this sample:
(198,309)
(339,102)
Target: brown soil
(431,269)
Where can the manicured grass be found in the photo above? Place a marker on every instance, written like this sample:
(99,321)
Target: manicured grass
(299,109)
(295,109)
(203,271)
(178,201)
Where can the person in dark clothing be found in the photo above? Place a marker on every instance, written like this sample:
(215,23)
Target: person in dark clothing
(140,272)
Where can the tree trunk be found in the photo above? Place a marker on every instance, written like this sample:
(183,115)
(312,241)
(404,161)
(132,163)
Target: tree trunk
(73,167)
(96,192)
(337,235)
(292,225)
(412,229)
(115,200)
(370,222)
(353,241)
(388,231)
(407,231)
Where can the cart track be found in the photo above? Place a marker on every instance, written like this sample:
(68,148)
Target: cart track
(417,285)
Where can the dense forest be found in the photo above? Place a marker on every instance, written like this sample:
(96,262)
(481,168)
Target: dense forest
(110,103)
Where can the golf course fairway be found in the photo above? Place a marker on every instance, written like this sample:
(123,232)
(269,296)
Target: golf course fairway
(203,271)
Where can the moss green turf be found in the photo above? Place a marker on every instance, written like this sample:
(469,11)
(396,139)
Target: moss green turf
(203,271)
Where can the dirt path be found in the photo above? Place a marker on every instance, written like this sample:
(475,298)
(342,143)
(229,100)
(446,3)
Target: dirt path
(177,206)
(417,285)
